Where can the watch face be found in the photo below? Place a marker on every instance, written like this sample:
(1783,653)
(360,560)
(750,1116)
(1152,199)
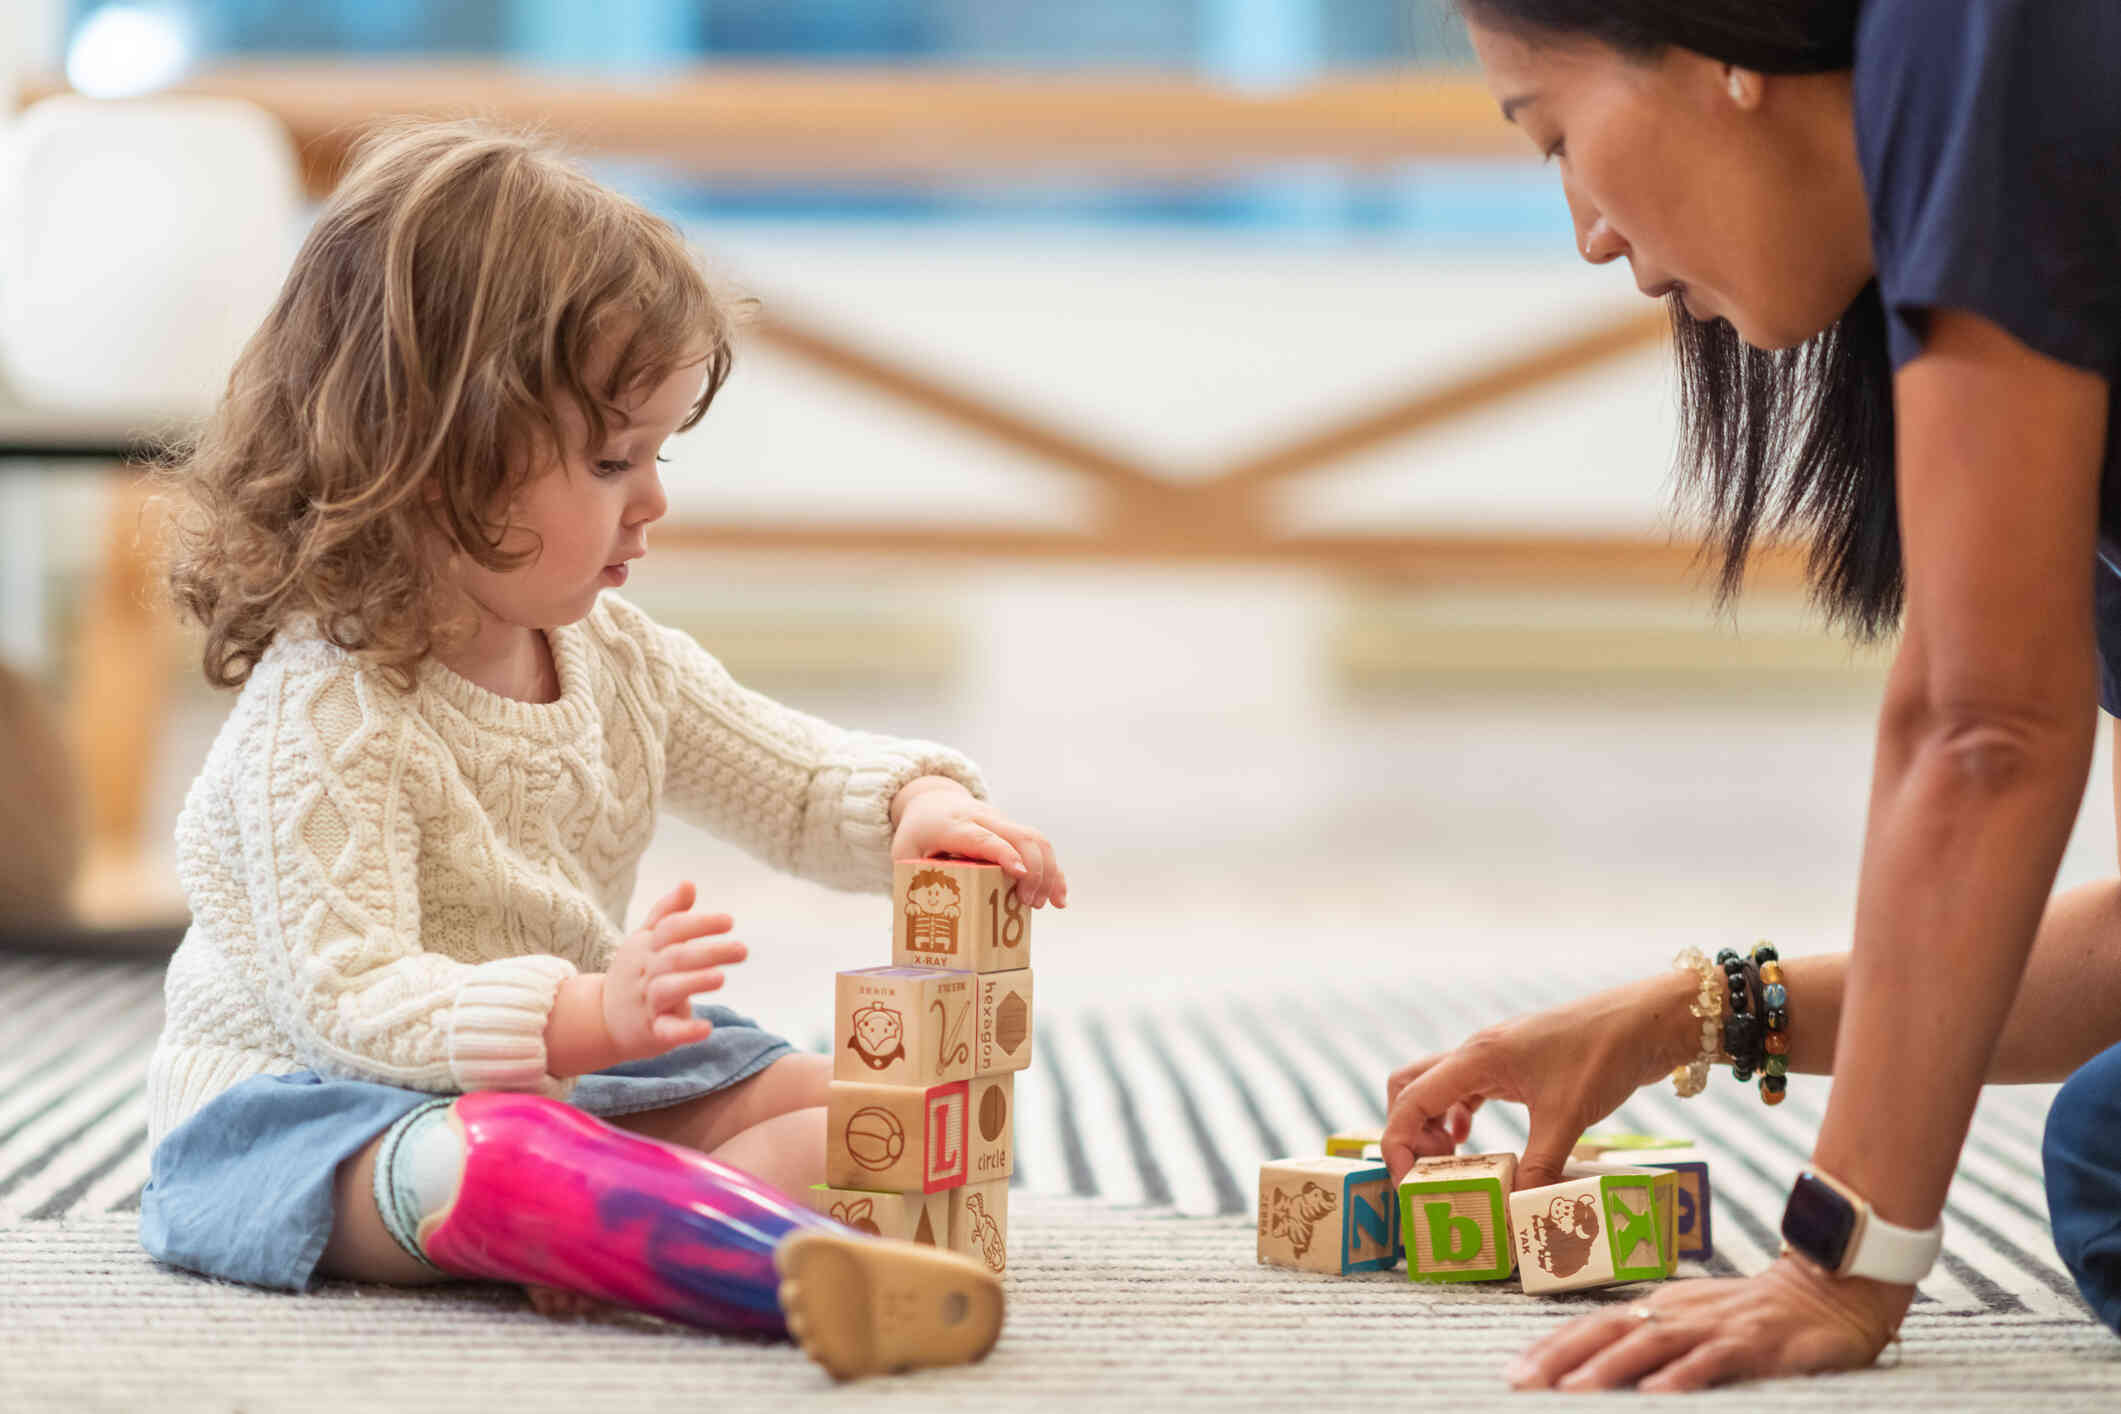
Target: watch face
(1819,1222)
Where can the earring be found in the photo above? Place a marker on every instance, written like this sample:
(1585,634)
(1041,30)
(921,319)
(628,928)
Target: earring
(1737,87)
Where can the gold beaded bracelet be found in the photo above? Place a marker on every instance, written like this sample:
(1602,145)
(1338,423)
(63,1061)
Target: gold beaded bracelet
(1707,1008)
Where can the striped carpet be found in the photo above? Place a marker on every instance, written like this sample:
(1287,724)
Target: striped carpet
(1167,1105)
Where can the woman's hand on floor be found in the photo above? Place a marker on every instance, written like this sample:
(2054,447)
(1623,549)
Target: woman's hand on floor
(1792,1319)
(1570,1066)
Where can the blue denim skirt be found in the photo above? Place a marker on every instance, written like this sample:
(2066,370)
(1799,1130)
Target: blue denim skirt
(242,1190)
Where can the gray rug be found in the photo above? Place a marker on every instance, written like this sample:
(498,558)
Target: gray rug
(1140,1129)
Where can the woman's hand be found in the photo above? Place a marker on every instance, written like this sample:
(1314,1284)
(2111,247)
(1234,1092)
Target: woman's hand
(655,972)
(1570,1066)
(1792,1319)
(936,815)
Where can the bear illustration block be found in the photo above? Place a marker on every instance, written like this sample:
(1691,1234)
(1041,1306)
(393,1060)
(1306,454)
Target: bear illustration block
(979,1223)
(1600,1226)
(895,1138)
(903,1217)
(990,1124)
(1329,1215)
(1454,1217)
(957,913)
(903,1026)
(1003,1036)
(1356,1143)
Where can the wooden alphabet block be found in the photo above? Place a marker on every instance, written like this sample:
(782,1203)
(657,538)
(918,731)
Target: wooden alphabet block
(903,1026)
(991,1117)
(1003,1039)
(1356,1143)
(979,1223)
(1600,1226)
(903,1217)
(1693,1217)
(1327,1215)
(959,914)
(895,1138)
(1454,1217)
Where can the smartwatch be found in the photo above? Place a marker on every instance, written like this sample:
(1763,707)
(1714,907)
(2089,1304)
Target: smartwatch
(1830,1223)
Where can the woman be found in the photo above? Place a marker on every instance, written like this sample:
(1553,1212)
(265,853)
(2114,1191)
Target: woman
(1891,236)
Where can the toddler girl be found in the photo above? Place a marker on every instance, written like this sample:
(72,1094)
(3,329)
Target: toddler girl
(408,1035)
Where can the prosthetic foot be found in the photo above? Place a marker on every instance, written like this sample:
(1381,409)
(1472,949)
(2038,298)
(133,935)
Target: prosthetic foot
(522,1189)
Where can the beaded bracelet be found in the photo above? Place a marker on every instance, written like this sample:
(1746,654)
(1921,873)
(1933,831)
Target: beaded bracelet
(1707,1008)
(1742,1019)
(1775,1020)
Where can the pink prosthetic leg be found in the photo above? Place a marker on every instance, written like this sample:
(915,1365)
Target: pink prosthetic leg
(551,1196)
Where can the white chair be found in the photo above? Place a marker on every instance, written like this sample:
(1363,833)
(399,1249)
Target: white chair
(141,241)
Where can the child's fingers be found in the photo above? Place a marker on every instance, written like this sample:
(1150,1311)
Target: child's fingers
(676,901)
(673,1031)
(699,953)
(972,840)
(669,993)
(679,927)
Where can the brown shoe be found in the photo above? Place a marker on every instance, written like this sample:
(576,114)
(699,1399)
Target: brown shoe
(864,1306)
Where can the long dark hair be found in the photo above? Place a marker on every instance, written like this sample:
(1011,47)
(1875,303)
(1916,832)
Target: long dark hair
(1772,442)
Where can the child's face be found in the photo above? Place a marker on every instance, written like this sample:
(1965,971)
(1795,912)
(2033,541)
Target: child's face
(587,512)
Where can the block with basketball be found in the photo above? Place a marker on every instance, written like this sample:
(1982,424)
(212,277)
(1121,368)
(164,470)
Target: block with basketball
(1454,1217)
(1600,1226)
(1002,1033)
(895,1138)
(979,1222)
(958,913)
(990,1118)
(903,1217)
(1333,1215)
(1693,1214)
(903,1026)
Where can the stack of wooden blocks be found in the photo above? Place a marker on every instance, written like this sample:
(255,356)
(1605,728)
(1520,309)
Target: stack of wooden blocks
(922,1117)
(1628,1208)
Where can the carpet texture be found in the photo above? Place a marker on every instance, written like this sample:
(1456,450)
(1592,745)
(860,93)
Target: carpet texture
(1139,1134)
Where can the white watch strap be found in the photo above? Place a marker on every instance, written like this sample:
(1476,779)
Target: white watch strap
(1888,1252)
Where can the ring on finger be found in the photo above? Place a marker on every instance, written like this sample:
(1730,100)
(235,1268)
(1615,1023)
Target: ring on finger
(1644,1314)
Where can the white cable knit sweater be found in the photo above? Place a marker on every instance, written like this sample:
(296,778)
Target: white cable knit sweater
(392,885)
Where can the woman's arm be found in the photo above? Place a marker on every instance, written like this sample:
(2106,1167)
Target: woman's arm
(1983,748)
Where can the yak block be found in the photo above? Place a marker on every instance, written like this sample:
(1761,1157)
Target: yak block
(1600,1226)
(957,913)
(895,1138)
(1327,1215)
(1454,1217)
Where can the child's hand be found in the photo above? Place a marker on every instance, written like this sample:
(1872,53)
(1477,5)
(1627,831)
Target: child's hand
(938,816)
(654,973)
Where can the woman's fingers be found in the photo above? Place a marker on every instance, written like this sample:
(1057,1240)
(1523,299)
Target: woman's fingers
(1414,1127)
(1565,1349)
(1643,1349)
(1712,1363)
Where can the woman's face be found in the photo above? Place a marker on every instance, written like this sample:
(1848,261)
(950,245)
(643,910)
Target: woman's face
(1738,192)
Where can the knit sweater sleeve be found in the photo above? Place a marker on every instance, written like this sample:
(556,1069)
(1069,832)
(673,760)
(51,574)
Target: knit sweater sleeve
(330,842)
(800,793)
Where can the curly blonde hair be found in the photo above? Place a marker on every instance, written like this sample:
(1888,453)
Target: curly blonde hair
(462,284)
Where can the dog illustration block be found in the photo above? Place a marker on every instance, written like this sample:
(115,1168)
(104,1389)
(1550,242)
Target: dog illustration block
(1356,1143)
(1331,1215)
(1454,1217)
(979,1223)
(896,1138)
(1693,1217)
(903,1217)
(903,1026)
(957,913)
(1600,1226)
(990,1127)
(1002,1041)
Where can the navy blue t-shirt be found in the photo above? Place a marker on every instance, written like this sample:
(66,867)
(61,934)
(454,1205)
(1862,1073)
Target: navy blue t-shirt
(1990,137)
